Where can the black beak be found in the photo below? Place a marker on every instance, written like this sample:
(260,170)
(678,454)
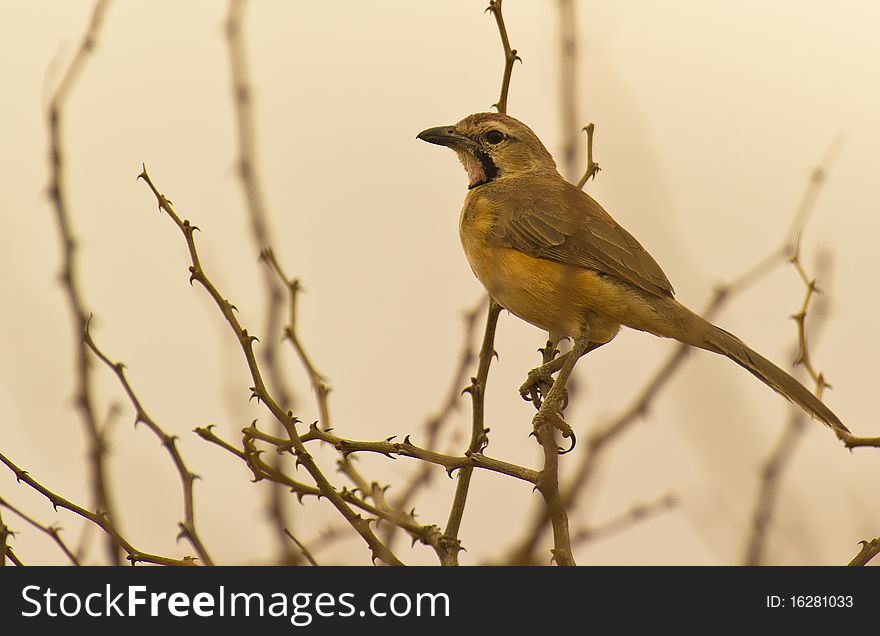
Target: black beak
(444,136)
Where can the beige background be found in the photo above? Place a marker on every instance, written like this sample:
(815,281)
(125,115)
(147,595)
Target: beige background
(709,119)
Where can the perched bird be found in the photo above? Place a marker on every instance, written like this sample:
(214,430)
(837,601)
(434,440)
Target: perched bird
(548,253)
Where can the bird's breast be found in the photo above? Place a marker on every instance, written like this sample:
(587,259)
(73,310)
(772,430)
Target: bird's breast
(553,296)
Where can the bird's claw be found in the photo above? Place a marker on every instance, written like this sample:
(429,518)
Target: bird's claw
(555,420)
(537,386)
(537,380)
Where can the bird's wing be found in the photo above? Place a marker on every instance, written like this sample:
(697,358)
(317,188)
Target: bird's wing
(565,224)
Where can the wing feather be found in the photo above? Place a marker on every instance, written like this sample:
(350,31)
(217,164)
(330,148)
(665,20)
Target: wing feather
(562,223)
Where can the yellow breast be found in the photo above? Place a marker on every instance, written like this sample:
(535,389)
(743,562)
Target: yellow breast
(553,296)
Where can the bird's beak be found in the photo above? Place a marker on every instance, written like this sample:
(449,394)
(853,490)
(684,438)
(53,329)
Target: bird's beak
(444,136)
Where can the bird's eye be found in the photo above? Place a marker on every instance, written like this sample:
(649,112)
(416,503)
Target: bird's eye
(494,137)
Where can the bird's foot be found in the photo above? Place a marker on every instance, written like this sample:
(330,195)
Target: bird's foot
(550,417)
(537,387)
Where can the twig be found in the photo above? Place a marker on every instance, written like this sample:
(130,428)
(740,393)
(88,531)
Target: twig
(53,531)
(100,519)
(169,443)
(327,538)
(316,379)
(428,535)
(510,55)
(8,552)
(5,533)
(85,399)
(405,448)
(851,441)
(435,423)
(592,167)
(259,390)
(803,356)
(769,486)
(869,550)
(548,486)
(479,438)
(318,382)
(305,551)
(262,237)
(568,87)
(625,521)
(780,458)
(545,422)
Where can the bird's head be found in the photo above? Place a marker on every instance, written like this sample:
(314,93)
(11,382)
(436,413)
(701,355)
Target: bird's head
(493,146)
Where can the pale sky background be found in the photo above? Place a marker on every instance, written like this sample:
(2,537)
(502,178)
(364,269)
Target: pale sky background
(710,117)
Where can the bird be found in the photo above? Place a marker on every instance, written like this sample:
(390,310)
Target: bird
(548,253)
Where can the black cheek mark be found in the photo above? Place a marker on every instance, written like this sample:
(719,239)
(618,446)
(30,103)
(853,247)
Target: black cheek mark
(489,168)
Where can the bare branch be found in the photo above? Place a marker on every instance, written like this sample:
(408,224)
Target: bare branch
(592,167)
(85,399)
(510,55)
(428,535)
(169,443)
(435,423)
(405,448)
(305,551)
(259,390)
(100,519)
(780,458)
(568,87)
(53,531)
(262,236)
(479,435)
(869,550)
(317,380)
(635,515)
(5,533)
(8,552)
(851,441)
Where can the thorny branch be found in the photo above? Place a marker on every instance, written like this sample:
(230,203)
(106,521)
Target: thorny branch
(435,423)
(479,436)
(568,97)
(406,448)
(429,535)
(592,167)
(780,457)
(869,550)
(99,518)
(302,548)
(631,517)
(169,443)
(260,391)
(262,237)
(316,379)
(53,531)
(5,533)
(85,399)
(510,55)
(568,87)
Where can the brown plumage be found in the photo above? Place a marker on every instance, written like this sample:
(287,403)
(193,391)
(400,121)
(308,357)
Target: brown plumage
(547,252)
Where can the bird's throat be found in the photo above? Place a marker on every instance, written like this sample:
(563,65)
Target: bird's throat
(479,166)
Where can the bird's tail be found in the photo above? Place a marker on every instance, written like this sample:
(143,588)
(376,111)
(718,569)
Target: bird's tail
(719,341)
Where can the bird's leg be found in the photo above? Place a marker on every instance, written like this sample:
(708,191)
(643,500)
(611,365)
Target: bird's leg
(551,349)
(540,379)
(549,414)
